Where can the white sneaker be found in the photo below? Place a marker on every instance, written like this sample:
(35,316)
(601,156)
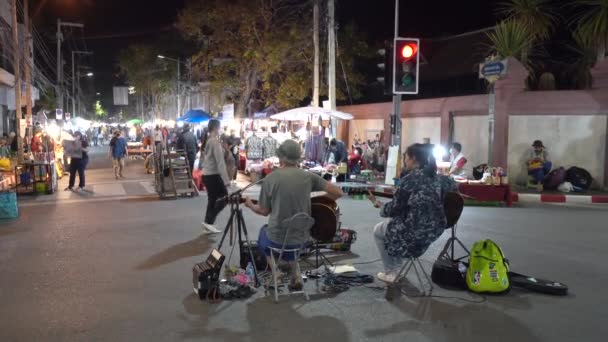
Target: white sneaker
(386,277)
(210,229)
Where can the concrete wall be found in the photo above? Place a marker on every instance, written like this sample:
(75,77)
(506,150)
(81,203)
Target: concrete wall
(472,133)
(414,130)
(572,140)
(363,129)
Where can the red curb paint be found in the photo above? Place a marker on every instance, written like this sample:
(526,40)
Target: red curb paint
(553,198)
(599,199)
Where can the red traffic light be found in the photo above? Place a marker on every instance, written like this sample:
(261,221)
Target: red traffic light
(409,50)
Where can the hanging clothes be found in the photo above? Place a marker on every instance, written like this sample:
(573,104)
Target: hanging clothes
(270,147)
(314,149)
(255,147)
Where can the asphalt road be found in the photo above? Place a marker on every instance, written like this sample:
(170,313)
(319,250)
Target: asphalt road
(119,269)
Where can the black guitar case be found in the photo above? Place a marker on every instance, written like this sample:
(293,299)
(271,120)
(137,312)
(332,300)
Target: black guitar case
(537,285)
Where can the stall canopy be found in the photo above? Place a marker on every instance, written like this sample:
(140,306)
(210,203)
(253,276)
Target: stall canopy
(305,113)
(135,122)
(266,112)
(195,116)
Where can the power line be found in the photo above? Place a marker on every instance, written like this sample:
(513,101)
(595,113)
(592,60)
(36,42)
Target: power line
(129,34)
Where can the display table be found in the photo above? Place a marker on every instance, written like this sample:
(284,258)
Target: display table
(139,152)
(477,192)
(486,193)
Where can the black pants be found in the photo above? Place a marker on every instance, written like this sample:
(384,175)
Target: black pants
(77,165)
(237,164)
(191,159)
(215,189)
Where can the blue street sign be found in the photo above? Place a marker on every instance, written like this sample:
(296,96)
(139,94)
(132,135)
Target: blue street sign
(497,68)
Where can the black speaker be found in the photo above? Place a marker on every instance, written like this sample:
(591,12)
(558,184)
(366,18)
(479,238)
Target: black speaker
(258,256)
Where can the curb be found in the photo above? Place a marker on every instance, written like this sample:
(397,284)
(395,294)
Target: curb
(559,198)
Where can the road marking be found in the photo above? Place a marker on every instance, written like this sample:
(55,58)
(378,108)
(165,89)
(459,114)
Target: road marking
(109,190)
(83,200)
(149,186)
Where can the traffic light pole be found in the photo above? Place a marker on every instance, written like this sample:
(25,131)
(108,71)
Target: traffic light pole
(396,128)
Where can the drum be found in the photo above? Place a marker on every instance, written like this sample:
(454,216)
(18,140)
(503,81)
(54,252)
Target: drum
(326,213)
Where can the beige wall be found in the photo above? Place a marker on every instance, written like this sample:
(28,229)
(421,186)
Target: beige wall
(572,140)
(414,130)
(472,133)
(363,129)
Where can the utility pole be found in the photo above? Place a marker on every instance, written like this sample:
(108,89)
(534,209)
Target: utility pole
(396,131)
(29,62)
(17,72)
(59,92)
(315,38)
(178,91)
(74,79)
(331,77)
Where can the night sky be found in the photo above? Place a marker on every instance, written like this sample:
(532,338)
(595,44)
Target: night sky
(112,25)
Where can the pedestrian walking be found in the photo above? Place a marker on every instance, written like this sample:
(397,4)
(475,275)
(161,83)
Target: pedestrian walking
(215,176)
(76,151)
(118,153)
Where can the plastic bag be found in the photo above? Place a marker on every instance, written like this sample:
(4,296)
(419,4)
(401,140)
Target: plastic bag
(565,187)
(8,205)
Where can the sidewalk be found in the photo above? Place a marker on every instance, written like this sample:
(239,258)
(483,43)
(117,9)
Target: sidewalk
(101,182)
(523,195)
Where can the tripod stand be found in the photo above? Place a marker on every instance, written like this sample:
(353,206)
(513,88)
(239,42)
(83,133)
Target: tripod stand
(236,220)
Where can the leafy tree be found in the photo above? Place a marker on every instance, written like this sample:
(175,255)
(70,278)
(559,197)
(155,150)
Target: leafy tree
(510,38)
(593,25)
(257,50)
(99,111)
(155,82)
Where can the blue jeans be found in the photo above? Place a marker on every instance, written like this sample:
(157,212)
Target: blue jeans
(264,242)
(539,174)
(391,264)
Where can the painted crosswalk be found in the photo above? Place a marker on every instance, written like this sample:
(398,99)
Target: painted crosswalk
(96,191)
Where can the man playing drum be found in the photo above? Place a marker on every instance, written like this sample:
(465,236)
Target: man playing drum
(286,192)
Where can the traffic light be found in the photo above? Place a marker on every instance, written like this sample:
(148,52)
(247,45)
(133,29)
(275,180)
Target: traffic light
(386,68)
(406,56)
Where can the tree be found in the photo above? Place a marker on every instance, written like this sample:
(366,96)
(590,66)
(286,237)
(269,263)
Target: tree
(510,38)
(256,51)
(155,82)
(99,111)
(592,24)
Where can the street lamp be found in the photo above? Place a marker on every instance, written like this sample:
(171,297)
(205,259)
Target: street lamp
(178,62)
(89,74)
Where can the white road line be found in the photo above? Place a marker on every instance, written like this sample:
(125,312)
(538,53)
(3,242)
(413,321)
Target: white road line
(82,200)
(109,190)
(149,186)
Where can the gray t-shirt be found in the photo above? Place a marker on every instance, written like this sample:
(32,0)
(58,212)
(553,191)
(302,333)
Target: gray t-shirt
(286,192)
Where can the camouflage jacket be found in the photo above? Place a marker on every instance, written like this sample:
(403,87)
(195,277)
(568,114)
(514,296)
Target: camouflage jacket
(416,212)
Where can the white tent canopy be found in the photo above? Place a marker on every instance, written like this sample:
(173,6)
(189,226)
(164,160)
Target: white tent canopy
(306,113)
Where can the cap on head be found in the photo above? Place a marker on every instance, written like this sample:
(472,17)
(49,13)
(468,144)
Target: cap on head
(289,151)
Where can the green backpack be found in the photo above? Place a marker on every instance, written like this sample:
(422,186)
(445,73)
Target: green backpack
(488,268)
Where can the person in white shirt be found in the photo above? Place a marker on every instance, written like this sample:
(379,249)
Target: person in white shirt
(458,162)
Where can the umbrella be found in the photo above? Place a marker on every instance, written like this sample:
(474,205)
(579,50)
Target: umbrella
(304,113)
(195,114)
(135,122)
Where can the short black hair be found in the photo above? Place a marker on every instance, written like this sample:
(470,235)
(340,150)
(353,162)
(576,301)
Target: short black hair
(213,125)
(457,147)
(333,142)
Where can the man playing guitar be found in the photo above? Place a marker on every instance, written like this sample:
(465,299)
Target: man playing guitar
(286,192)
